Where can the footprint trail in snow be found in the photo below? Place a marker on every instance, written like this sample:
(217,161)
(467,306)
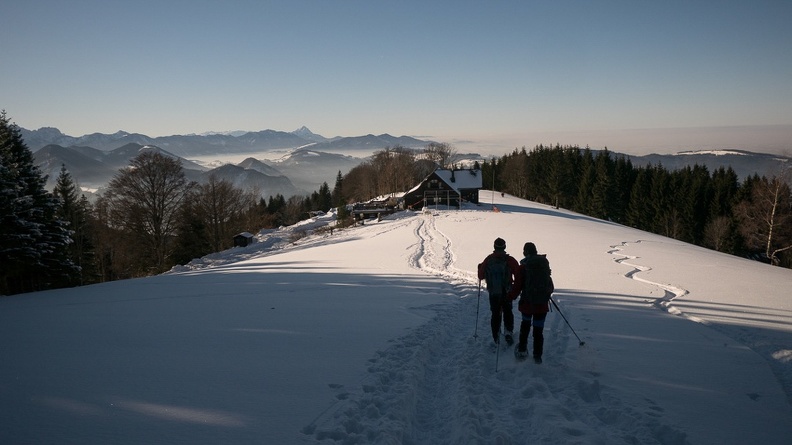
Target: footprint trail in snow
(438,384)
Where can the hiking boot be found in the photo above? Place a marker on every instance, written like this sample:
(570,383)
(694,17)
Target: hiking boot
(520,355)
(525,329)
(538,343)
(509,338)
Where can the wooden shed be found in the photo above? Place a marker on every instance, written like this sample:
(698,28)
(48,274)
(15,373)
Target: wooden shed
(375,208)
(244,239)
(445,187)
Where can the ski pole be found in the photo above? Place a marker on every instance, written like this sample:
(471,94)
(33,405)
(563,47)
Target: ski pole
(478,305)
(567,321)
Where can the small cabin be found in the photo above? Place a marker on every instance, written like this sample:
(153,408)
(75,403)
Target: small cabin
(244,239)
(447,188)
(375,208)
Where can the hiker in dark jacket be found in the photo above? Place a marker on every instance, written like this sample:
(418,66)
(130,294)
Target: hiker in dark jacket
(499,269)
(534,304)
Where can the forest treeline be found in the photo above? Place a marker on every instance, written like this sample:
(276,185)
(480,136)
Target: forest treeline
(751,218)
(152,218)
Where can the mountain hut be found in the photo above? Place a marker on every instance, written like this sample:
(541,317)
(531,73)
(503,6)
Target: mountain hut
(445,187)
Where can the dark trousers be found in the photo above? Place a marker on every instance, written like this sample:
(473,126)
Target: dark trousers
(501,307)
(538,335)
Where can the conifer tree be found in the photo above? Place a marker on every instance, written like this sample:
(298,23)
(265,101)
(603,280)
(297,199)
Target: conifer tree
(720,230)
(725,185)
(276,209)
(697,203)
(32,239)
(338,190)
(74,209)
(623,179)
(601,196)
(586,183)
(639,213)
(324,199)
(515,175)
(665,218)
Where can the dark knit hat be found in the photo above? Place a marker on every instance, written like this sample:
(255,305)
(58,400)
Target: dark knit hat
(529,249)
(499,244)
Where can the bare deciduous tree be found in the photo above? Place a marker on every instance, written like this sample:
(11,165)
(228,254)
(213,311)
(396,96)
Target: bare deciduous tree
(143,202)
(221,207)
(766,219)
(393,168)
(360,183)
(441,153)
(717,232)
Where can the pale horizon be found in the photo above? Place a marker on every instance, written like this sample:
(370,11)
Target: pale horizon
(769,139)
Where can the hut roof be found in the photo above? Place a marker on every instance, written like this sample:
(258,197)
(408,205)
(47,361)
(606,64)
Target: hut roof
(463,179)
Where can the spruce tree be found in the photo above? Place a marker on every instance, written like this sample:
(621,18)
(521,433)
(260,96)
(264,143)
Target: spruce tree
(324,199)
(32,239)
(639,213)
(586,183)
(725,185)
(602,196)
(74,209)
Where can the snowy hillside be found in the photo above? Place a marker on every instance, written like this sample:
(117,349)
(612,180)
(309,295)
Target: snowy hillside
(366,335)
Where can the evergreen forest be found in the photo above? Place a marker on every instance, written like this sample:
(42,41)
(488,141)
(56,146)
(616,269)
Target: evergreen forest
(751,218)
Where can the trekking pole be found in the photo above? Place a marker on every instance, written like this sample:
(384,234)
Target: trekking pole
(478,305)
(567,321)
(497,351)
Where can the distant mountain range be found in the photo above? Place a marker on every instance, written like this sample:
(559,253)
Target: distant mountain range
(744,163)
(220,144)
(305,161)
(309,160)
(94,169)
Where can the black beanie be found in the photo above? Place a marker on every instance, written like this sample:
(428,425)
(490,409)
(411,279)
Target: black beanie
(499,244)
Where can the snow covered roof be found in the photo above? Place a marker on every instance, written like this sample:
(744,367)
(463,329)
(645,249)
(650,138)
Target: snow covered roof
(462,179)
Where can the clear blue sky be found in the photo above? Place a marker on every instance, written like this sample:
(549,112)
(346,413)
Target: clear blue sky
(447,70)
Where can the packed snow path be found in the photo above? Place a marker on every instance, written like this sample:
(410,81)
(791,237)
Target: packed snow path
(439,384)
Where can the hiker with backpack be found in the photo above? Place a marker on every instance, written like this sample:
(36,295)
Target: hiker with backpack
(534,285)
(499,270)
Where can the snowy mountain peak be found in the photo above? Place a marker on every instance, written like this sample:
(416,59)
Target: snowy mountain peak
(308,135)
(303,131)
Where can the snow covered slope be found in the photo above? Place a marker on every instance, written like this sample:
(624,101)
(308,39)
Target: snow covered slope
(366,335)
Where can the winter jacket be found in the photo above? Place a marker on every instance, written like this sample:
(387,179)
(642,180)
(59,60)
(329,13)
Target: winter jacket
(525,307)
